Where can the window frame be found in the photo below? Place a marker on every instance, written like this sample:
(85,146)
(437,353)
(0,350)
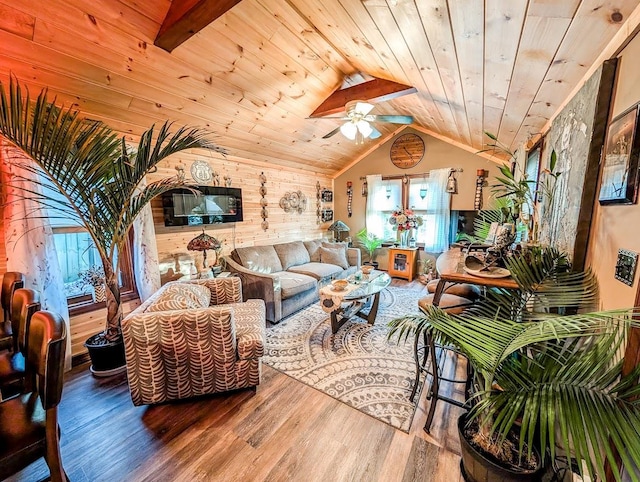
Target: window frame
(128,290)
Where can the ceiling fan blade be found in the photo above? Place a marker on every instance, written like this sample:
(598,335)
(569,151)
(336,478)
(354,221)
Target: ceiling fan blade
(332,133)
(345,118)
(394,119)
(375,133)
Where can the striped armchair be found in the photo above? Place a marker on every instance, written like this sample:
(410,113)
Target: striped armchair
(186,341)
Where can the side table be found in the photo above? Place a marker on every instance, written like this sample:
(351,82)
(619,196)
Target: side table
(402,262)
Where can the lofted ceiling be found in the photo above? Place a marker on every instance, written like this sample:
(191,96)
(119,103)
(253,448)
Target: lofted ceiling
(256,74)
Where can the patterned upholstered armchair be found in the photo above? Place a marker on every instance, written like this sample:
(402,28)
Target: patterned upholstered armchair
(194,338)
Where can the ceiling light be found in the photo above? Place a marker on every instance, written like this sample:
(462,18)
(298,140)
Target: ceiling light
(349,130)
(363,108)
(364,127)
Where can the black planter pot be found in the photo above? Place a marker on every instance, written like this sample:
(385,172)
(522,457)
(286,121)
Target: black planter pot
(475,467)
(372,263)
(107,358)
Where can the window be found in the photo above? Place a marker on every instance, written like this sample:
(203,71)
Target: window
(76,253)
(423,195)
(386,197)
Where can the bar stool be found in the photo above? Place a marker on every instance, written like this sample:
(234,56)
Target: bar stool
(430,350)
(11,281)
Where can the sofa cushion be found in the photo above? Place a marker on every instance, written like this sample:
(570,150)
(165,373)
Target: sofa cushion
(337,256)
(317,270)
(292,254)
(293,283)
(312,247)
(181,296)
(263,259)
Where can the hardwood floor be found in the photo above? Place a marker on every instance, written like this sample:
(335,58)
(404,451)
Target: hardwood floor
(285,431)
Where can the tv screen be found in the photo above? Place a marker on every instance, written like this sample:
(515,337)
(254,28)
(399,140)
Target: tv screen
(212,205)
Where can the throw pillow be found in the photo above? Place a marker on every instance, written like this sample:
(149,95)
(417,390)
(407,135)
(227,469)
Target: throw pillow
(182,296)
(312,247)
(334,256)
(341,245)
(292,254)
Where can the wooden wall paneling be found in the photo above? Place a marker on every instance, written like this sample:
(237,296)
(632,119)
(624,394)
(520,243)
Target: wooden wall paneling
(434,15)
(88,324)
(539,41)
(574,57)
(468,34)
(118,15)
(305,31)
(400,24)
(155,10)
(17,22)
(283,226)
(502,21)
(376,24)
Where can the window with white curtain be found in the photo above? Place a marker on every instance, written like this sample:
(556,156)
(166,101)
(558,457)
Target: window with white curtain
(426,196)
(385,196)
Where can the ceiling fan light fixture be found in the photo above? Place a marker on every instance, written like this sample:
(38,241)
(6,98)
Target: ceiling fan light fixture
(363,108)
(349,130)
(364,127)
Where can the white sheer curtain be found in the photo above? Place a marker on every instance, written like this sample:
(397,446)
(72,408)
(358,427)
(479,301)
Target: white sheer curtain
(145,253)
(373,224)
(438,201)
(29,239)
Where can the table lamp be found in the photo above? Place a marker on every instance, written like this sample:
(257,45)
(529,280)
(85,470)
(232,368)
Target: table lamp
(202,242)
(338,227)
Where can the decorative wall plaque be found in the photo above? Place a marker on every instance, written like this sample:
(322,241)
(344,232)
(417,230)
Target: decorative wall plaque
(201,172)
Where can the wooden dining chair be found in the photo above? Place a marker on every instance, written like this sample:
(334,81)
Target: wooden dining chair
(29,423)
(11,281)
(12,363)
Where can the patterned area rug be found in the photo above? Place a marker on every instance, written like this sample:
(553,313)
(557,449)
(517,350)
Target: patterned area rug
(357,365)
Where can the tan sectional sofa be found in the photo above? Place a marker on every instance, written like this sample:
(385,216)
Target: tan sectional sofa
(286,275)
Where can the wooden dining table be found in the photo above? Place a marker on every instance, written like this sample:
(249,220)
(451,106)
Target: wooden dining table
(450,265)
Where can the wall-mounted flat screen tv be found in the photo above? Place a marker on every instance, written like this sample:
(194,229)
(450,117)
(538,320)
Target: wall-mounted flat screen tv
(212,205)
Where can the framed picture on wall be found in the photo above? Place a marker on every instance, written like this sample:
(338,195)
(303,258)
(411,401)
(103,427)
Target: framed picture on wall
(620,164)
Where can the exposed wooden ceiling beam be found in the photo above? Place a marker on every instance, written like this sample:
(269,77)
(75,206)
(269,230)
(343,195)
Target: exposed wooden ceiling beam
(185,18)
(376,90)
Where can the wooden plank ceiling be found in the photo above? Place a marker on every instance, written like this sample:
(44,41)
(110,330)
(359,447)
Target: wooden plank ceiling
(256,73)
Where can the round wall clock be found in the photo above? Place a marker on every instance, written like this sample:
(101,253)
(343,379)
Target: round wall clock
(407,151)
(201,171)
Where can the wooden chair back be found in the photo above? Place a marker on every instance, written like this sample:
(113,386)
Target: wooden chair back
(11,281)
(24,304)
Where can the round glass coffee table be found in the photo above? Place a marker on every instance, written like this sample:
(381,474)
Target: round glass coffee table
(355,300)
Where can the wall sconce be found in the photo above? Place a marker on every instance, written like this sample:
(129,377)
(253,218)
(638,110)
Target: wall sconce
(480,173)
(388,191)
(423,188)
(452,183)
(365,187)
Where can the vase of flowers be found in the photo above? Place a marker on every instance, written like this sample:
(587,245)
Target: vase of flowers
(403,221)
(94,277)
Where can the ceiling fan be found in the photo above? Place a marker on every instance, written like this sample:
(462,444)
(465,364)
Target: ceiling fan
(358,122)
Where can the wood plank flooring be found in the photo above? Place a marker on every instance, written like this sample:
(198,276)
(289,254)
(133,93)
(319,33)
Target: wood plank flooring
(286,431)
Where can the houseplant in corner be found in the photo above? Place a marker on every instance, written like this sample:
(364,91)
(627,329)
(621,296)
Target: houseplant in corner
(370,243)
(543,375)
(99,177)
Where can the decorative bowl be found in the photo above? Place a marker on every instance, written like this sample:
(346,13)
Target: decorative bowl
(367,269)
(339,284)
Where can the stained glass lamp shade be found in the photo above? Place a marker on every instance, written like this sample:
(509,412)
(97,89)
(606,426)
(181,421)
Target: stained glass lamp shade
(202,242)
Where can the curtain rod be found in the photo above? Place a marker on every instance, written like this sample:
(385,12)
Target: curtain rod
(412,176)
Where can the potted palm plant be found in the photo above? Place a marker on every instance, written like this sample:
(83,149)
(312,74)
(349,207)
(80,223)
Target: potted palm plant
(545,373)
(99,177)
(370,243)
